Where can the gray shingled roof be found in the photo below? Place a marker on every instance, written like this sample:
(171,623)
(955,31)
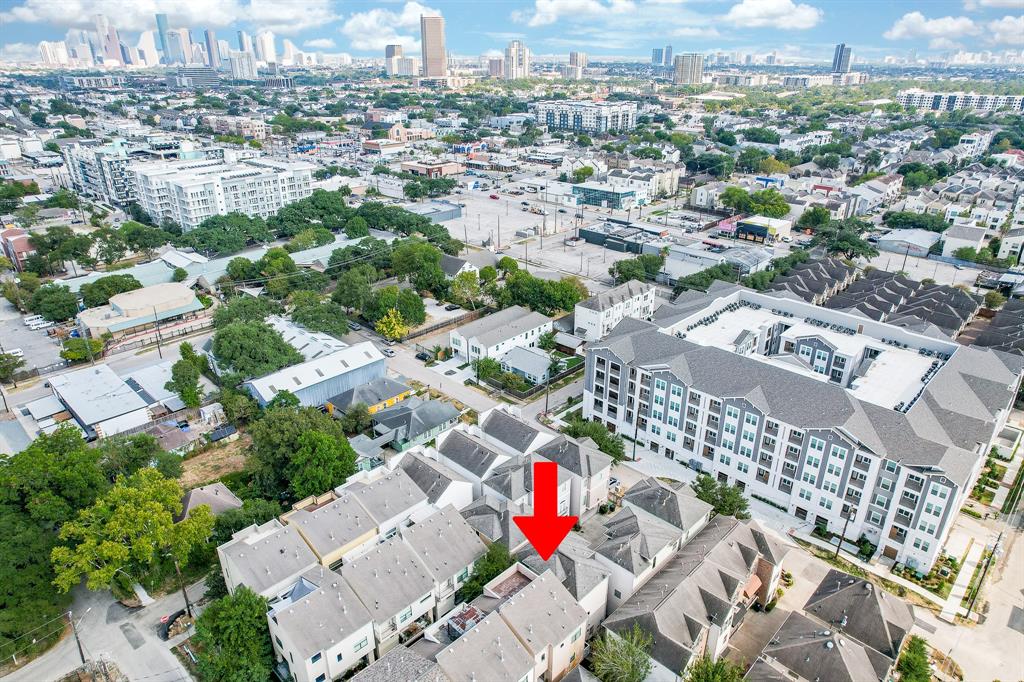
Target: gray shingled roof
(492,518)
(634,538)
(579,457)
(263,563)
(371,393)
(502,325)
(800,646)
(401,664)
(468,452)
(573,563)
(432,477)
(445,543)
(509,430)
(678,507)
(609,298)
(413,417)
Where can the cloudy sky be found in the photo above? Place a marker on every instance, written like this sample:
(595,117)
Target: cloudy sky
(796,28)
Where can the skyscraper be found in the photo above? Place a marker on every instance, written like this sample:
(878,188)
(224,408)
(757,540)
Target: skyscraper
(244,42)
(517,60)
(392,51)
(841,59)
(161,32)
(265,50)
(658,56)
(435,55)
(578,59)
(243,66)
(212,51)
(108,42)
(668,56)
(689,69)
(495,67)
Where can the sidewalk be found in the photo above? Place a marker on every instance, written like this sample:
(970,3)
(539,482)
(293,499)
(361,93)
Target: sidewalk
(963,579)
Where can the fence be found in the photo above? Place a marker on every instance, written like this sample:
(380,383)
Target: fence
(40,371)
(189,414)
(537,388)
(165,336)
(447,324)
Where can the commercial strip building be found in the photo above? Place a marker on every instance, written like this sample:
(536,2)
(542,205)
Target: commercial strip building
(833,416)
(141,309)
(189,192)
(584,116)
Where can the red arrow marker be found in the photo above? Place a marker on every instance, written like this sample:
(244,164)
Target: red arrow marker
(545,529)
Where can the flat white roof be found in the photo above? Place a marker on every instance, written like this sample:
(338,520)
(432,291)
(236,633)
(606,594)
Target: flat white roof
(95,394)
(312,372)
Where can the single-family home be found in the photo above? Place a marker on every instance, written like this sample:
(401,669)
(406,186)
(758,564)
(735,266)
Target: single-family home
(414,421)
(493,335)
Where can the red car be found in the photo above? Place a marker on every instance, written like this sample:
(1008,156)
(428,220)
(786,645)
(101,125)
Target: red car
(494,196)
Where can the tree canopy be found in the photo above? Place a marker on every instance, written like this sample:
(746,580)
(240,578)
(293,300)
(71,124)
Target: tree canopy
(252,349)
(232,641)
(622,656)
(99,292)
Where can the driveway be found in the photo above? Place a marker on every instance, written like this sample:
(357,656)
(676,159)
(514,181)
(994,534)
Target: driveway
(451,369)
(128,637)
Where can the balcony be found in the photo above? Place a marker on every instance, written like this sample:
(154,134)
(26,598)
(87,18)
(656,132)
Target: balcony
(692,413)
(901,519)
(645,396)
(796,438)
(914,485)
(850,497)
(785,486)
(713,421)
(690,430)
(908,502)
(708,452)
(861,465)
(764,459)
(715,407)
(857,482)
(897,534)
(792,455)
(762,477)
(771,430)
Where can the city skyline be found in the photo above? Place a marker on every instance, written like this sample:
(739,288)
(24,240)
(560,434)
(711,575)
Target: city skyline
(797,31)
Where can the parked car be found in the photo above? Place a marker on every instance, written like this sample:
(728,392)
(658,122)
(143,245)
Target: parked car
(388,353)
(450,307)
(494,196)
(525,203)
(422,355)
(354,326)
(562,210)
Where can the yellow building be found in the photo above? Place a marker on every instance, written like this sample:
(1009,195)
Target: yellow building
(376,395)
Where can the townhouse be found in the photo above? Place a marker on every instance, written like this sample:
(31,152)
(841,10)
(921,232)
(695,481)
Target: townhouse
(492,336)
(596,316)
(833,416)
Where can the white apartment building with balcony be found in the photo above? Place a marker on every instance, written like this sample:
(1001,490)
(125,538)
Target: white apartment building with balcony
(584,116)
(189,192)
(830,415)
(951,101)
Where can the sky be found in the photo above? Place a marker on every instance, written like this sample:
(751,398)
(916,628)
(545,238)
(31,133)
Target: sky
(797,29)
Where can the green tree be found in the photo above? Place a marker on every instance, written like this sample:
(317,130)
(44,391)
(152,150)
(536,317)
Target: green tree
(275,438)
(232,641)
(244,309)
(123,455)
(9,365)
(994,299)
(769,202)
(727,500)
(391,326)
(622,657)
(707,669)
(813,217)
(80,350)
(507,265)
(495,560)
(179,275)
(98,293)
(486,368)
(108,245)
(128,531)
(357,227)
(488,274)
(609,443)
(357,419)
(353,290)
(321,462)
(913,664)
(185,382)
(546,341)
(252,349)
(252,511)
(143,239)
(626,270)
(54,302)
(465,289)
(735,198)
(582,174)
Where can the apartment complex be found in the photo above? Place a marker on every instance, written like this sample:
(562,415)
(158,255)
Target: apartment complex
(189,192)
(833,416)
(517,60)
(242,126)
(688,69)
(584,116)
(951,101)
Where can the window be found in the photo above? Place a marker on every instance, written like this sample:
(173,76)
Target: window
(659,400)
(746,452)
(673,406)
(825,502)
(834,470)
(673,421)
(813,462)
(576,635)
(940,491)
(657,414)
(316,657)
(817,444)
(731,411)
(830,487)
(278,640)
(322,677)
(805,351)
(655,429)
(361,644)
(729,428)
(805,494)
(885,483)
(677,391)
(618,595)
(875,518)
(339,658)
(808,477)
(921,545)
(743,468)
(749,436)
(725,459)
(405,615)
(927,527)
(751,418)
(890,466)
(671,435)
(728,444)
(464,574)
(838,452)
(660,384)
(880,500)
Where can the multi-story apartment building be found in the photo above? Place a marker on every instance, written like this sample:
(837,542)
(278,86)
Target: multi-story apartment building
(597,316)
(688,69)
(517,60)
(839,419)
(189,192)
(950,101)
(243,126)
(585,116)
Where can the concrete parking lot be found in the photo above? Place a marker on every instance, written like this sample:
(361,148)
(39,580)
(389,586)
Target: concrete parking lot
(39,349)
(923,268)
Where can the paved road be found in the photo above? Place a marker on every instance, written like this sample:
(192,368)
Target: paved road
(128,637)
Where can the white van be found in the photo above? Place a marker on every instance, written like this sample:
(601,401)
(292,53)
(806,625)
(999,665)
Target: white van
(16,352)
(32,319)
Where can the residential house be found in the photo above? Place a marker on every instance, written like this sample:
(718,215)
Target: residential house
(492,336)
(468,457)
(266,558)
(488,651)
(441,484)
(587,468)
(962,237)
(513,481)
(598,315)
(449,548)
(216,496)
(414,421)
(509,433)
(101,403)
(376,394)
(532,364)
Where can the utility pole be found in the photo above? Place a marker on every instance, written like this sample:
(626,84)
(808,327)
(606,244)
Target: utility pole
(74,629)
(984,572)
(499,231)
(526,258)
(184,593)
(156,321)
(88,342)
(842,536)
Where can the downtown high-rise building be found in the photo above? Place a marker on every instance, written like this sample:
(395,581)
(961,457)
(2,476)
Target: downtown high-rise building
(578,59)
(841,59)
(392,51)
(435,55)
(265,50)
(658,56)
(245,42)
(668,56)
(161,33)
(688,69)
(392,54)
(212,50)
(517,60)
(243,66)
(496,67)
(108,43)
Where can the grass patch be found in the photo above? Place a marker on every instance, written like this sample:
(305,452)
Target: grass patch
(1013,498)
(975,585)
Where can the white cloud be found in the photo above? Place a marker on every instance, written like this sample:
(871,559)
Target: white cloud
(942,33)
(781,14)
(320,43)
(138,15)
(1007,31)
(547,12)
(972,5)
(695,32)
(372,30)
(19,52)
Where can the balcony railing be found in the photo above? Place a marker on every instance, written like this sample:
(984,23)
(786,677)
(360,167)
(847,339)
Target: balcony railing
(861,465)
(913,485)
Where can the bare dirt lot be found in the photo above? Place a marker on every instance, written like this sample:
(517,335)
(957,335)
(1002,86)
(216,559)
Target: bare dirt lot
(210,465)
